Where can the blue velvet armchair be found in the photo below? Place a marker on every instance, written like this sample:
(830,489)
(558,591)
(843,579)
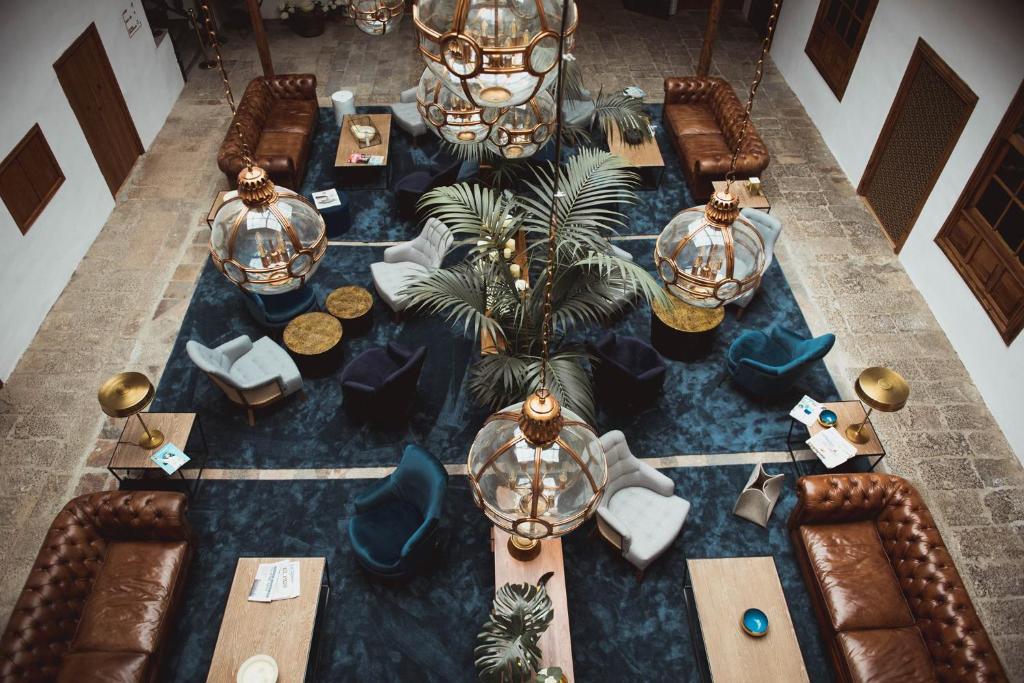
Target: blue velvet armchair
(394,529)
(628,373)
(276,311)
(767,362)
(380,383)
(410,188)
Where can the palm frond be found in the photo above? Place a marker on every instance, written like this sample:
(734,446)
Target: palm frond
(459,294)
(622,112)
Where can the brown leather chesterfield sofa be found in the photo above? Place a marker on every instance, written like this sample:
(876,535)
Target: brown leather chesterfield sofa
(99,602)
(702,117)
(890,603)
(278,116)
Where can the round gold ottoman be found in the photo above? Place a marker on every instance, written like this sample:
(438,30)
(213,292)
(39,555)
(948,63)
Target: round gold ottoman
(684,332)
(314,341)
(353,306)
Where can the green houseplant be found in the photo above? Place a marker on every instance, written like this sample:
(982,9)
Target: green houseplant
(506,648)
(590,282)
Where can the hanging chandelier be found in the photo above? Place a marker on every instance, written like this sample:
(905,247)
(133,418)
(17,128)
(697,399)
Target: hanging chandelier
(710,255)
(266,239)
(537,470)
(377,17)
(495,53)
(524,129)
(449,116)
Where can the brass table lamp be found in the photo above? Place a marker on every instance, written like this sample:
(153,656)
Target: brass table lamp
(126,394)
(880,389)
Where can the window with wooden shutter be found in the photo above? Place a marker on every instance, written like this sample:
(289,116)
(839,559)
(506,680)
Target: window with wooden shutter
(984,235)
(836,38)
(29,177)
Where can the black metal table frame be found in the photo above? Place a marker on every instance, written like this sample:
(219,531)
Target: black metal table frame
(191,491)
(793,422)
(313,672)
(693,622)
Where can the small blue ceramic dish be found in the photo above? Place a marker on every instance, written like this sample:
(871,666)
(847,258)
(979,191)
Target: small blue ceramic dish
(827,418)
(754,622)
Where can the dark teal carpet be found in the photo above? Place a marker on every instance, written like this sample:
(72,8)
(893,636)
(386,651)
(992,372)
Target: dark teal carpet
(424,630)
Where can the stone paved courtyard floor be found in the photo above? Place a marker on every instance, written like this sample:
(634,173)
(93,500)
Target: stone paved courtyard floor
(123,307)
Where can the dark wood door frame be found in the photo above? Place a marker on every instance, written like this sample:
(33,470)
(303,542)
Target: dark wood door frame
(97,145)
(922,53)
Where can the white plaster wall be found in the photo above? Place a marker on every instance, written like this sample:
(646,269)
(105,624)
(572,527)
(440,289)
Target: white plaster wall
(33,35)
(981,42)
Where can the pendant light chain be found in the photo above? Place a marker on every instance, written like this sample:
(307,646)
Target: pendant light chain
(228,94)
(545,333)
(730,176)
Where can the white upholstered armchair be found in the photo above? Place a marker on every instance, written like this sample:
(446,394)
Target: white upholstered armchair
(407,115)
(640,513)
(770,228)
(407,262)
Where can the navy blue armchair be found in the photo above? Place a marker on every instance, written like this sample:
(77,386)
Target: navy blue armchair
(410,188)
(394,530)
(277,310)
(380,384)
(770,361)
(628,373)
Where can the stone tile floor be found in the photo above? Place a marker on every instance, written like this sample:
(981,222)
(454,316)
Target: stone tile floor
(123,307)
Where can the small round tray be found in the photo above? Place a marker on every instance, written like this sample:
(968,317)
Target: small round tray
(754,622)
(827,418)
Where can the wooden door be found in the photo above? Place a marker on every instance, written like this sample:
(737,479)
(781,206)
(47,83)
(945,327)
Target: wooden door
(929,113)
(92,90)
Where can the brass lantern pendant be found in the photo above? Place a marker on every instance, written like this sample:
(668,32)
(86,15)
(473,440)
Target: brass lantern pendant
(267,239)
(710,255)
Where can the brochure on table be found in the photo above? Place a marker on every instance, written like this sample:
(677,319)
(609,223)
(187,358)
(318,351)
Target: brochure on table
(806,411)
(324,199)
(275,581)
(831,448)
(169,458)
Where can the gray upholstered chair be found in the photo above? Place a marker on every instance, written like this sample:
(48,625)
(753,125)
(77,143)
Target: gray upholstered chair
(639,513)
(252,374)
(770,228)
(409,261)
(407,116)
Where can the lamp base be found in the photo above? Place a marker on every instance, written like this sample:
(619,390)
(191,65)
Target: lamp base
(152,440)
(856,434)
(523,549)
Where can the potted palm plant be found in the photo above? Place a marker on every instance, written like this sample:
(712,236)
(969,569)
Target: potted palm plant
(591,282)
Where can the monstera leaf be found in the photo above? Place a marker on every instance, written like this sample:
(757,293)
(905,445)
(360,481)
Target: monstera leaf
(506,649)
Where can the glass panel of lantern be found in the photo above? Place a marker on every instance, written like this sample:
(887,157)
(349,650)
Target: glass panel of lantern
(452,117)
(522,130)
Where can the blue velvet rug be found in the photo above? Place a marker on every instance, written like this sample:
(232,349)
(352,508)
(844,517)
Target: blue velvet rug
(424,630)
(701,411)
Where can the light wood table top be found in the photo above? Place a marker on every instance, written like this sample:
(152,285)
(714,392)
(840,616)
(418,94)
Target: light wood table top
(127,454)
(747,200)
(646,154)
(851,413)
(218,202)
(281,629)
(723,589)
(347,143)
(555,643)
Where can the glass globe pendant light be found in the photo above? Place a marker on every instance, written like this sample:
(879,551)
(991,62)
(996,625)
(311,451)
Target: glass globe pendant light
(377,17)
(450,116)
(537,470)
(266,239)
(524,129)
(709,255)
(495,53)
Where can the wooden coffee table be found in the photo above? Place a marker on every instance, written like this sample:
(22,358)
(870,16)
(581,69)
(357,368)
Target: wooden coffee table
(285,629)
(347,145)
(556,642)
(847,413)
(645,158)
(129,458)
(747,200)
(721,590)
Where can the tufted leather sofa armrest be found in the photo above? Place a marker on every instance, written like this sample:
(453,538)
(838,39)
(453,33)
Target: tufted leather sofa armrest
(831,499)
(292,86)
(134,515)
(689,89)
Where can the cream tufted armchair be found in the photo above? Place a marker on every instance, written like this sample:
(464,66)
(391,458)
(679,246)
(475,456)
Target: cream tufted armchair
(407,262)
(639,514)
